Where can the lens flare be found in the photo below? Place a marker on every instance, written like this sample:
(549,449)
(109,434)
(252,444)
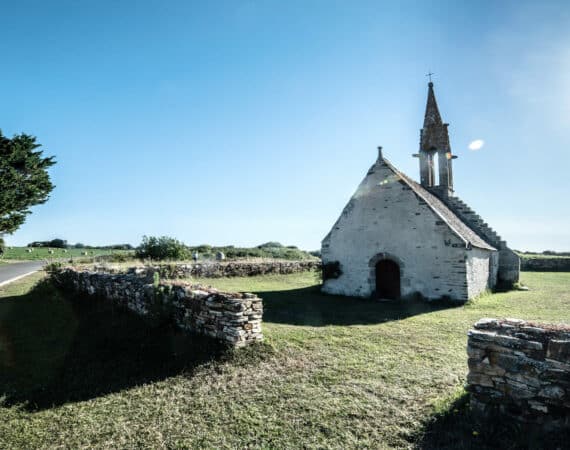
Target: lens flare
(477,144)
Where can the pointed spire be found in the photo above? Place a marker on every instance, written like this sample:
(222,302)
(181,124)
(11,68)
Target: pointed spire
(432,116)
(435,152)
(434,134)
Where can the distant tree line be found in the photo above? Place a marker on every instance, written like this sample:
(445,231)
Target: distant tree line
(62,243)
(106,247)
(168,248)
(546,253)
(274,250)
(164,247)
(54,243)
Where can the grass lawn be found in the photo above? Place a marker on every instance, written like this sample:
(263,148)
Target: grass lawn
(333,373)
(38,253)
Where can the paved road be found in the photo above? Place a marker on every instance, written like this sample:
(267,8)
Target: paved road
(9,271)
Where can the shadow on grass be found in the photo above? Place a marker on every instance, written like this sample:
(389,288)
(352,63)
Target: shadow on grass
(310,307)
(457,427)
(55,350)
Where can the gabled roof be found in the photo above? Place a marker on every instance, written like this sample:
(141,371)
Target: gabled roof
(455,224)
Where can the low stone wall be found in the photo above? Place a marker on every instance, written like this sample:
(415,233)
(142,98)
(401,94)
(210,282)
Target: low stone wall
(521,369)
(234,318)
(234,269)
(545,264)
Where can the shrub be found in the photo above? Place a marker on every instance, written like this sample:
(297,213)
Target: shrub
(58,243)
(118,247)
(118,257)
(53,268)
(331,270)
(163,247)
(270,245)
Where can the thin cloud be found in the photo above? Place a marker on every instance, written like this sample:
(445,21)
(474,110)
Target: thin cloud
(533,65)
(477,144)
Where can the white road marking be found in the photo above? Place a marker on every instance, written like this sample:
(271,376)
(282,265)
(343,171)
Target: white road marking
(17,278)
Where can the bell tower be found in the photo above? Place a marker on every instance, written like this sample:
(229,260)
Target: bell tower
(435,156)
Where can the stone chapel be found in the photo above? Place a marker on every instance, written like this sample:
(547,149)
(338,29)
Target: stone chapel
(397,238)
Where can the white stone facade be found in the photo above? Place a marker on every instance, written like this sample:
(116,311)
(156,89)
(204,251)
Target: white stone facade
(387,219)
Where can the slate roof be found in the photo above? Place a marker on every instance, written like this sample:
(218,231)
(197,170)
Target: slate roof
(460,228)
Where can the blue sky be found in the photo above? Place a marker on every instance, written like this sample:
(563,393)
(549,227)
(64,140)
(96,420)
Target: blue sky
(239,122)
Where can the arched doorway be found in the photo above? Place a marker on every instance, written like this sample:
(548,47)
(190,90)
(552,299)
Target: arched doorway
(387,279)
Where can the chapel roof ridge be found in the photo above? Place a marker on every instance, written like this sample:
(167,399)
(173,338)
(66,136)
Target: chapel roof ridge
(458,226)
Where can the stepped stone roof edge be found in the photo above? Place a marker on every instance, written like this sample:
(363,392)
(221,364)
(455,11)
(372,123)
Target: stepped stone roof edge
(459,227)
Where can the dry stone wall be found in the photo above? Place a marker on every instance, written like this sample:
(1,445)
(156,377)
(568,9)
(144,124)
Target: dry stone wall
(234,268)
(521,369)
(234,318)
(545,264)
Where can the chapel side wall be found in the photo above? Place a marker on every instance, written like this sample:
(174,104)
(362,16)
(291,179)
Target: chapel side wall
(494,270)
(386,216)
(509,267)
(479,271)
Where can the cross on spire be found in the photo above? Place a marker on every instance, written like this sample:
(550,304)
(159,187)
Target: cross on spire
(429,74)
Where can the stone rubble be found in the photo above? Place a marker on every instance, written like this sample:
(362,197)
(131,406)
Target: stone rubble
(234,318)
(521,369)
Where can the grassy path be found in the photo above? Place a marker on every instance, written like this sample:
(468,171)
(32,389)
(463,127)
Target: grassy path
(334,372)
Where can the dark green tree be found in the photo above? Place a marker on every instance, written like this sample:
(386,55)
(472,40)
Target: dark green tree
(24,179)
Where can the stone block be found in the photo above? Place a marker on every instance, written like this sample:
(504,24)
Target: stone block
(559,350)
(554,364)
(486,323)
(538,406)
(553,392)
(485,368)
(480,379)
(476,353)
(559,376)
(529,381)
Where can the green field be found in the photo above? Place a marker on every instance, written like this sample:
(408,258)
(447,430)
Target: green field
(38,253)
(333,373)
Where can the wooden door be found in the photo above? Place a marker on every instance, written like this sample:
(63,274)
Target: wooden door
(387,280)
